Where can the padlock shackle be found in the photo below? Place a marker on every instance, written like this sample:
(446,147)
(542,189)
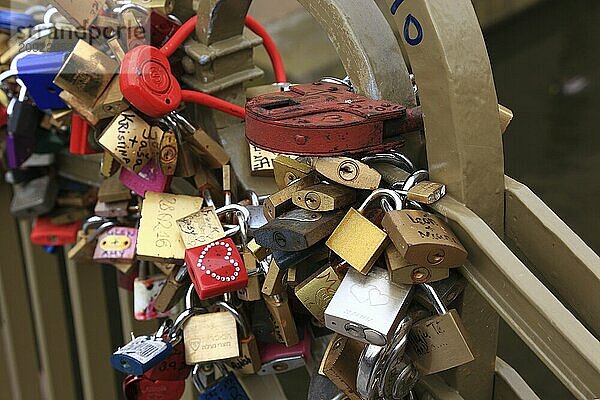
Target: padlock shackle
(414,178)
(392,157)
(436,301)
(378,193)
(176,332)
(223,305)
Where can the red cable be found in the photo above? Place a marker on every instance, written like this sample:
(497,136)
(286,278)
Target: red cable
(191,96)
(204,99)
(271,48)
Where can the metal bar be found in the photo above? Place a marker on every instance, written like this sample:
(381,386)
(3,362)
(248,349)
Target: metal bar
(433,387)
(50,318)
(509,385)
(570,351)
(17,331)
(562,259)
(92,329)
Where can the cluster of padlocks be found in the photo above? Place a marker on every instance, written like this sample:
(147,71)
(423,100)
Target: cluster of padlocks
(345,270)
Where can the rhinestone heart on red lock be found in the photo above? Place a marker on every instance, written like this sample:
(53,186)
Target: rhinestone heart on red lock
(216,268)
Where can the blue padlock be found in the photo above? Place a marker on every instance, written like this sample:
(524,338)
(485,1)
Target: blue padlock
(15,21)
(38,71)
(141,354)
(225,388)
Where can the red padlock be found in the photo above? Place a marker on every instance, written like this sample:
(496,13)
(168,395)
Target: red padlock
(173,368)
(45,233)
(325,119)
(216,268)
(140,388)
(78,143)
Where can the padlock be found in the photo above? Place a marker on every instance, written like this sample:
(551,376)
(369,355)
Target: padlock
(440,342)
(210,336)
(112,190)
(37,71)
(158,235)
(80,107)
(326,119)
(417,188)
(173,290)
(83,250)
(385,372)
(252,292)
(186,165)
(209,150)
(282,318)
(448,290)
(322,388)
(317,290)
(287,170)
(45,233)
(141,354)
(402,272)
(249,360)
(217,267)
(149,179)
(145,291)
(275,280)
(200,228)
(340,364)
(257,216)
(280,202)
(79,141)
(162,6)
(259,252)
(261,161)
(297,229)
(111,102)
(168,151)
(356,239)
(81,14)
(424,239)
(226,387)
(130,140)
(116,209)
(172,368)
(116,246)
(162,28)
(368,308)
(278,358)
(324,197)
(314,254)
(63,216)
(348,172)
(23,123)
(141,388)
(34,198)
(86,73)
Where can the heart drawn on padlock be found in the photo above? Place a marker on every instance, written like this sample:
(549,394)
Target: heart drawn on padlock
(194,344)
(370,294)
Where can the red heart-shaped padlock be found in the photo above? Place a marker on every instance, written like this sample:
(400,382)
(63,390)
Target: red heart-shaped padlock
(137,388)
(216,268)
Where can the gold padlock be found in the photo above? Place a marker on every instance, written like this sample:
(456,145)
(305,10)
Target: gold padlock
(280,202)
(167,153)
(402,272)
(211,152)
(324,197)
(348,172)
(261,161)
(109,165)
(158,237)
(424,239)
(111,102)
(356,239)
(283,319)
(200,228)
(287,170)
(259,252)
(112,190)
(173,290)
(164,7)
(274,280)
(440,342)
(340,364)
(317,291)
(210,337)
(252,292)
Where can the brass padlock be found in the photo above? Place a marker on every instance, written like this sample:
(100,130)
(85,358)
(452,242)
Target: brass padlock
(109,166)
(348,172)
(186,165)
(173,290)
(424,239)
(324,197)
(68,215)
(261,161)
(112,190)
(259,252)
(83,250)
(287,170)
(252,292)
(200,228)
(280,202)
(158,237)
(86,73)
(416,187)
(211,152)
(167,153)
(128,138)
(317,291)
(402,272)
(440,342)
(112,210)
(249,361)
(111,102)
(274,280)
(297,229)
(282,318)
(164,7)
(356,239)
(340,364)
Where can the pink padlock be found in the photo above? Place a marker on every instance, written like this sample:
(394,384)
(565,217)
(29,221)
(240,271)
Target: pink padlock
(117,245)
(276,358)
(150,179)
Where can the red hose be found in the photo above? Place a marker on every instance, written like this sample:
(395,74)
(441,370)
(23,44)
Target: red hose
(271,48)
(191,96)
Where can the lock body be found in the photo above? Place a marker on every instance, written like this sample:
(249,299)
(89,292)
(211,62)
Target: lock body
(35,197)
(324,197)
(209,337)
(316,292)
(283,319)
(348,172)
(117,245)
(280,202)
(278,358)
(149,179)
(172,368)
(145,292)
(37,72)
(340,364)
(287,170)
(45,233)
(325,119)
(403,272)
(228,387)
(368,308)
(141,354)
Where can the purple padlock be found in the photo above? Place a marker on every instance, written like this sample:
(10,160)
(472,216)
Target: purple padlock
(116,245)
(150,179)
(18,149)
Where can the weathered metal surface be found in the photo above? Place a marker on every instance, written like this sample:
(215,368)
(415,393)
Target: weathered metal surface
(570,351)
(509,385)
(327,119)
(561,258)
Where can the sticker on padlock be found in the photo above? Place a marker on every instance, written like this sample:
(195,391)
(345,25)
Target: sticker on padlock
(326,119)
(369,307)
(141,354)
(117,245)
(145,292)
